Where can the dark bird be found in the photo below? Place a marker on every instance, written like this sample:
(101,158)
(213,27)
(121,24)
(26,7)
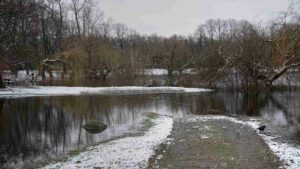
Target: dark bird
(261,128)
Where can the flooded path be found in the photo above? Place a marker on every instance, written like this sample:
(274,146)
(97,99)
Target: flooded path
(35,130)
(214,144)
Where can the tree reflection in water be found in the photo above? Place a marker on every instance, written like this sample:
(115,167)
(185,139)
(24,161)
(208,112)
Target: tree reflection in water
(49,126)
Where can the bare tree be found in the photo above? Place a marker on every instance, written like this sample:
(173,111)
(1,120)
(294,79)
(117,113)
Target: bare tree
(120,32)
(106,29)
(77,7)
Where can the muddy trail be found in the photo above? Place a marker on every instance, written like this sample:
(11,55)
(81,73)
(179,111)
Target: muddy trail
(213,144)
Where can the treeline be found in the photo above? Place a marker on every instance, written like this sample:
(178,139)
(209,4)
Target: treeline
(250,55)
(75,38)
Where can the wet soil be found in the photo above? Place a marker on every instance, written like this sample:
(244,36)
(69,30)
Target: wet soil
(213,144)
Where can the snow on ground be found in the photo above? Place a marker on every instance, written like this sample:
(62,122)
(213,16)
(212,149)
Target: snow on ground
(160,72)
(22,76)
(60,90)
(156,72)
(129,152)
(288,153)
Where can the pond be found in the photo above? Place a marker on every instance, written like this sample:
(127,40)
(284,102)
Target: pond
(36,128)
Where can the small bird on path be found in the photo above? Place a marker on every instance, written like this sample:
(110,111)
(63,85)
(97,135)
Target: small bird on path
(261,128)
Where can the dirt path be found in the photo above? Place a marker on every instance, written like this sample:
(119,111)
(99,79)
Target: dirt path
(213,144)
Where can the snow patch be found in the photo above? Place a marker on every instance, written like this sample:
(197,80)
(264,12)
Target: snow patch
(129,152)
(156,72)
(60,90)
(22,75)
(204,136)
(288,153)
(160,72)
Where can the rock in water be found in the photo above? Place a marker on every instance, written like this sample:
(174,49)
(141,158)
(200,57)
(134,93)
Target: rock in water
(94,126)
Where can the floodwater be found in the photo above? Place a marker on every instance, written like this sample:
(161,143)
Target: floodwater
(37,128)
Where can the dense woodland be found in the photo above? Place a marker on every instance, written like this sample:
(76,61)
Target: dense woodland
(75,38)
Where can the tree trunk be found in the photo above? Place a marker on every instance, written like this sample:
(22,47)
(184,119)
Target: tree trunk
(2,85)
(43,73)
(77,24)
(50,73)
(170,77)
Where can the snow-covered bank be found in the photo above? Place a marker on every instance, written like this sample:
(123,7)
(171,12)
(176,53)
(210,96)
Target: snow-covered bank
(22,76)
(60,90)
(288,153)
(160,72)
(129,152)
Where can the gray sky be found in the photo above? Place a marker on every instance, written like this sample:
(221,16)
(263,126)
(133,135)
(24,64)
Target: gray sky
(167,17)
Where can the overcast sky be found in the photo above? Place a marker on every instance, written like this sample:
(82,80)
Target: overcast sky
(167,17)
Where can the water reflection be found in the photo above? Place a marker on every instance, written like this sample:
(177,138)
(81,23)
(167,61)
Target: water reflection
(43,126)
(283,111)
(49,126)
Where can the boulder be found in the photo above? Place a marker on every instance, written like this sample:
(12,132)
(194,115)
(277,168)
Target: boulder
(94,126)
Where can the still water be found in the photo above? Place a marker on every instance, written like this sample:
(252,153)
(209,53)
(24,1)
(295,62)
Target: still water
(41,127)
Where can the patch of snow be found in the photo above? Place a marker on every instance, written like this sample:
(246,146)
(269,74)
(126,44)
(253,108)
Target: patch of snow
(22,75)
(207,128)
(159,157)
(211,117)
(129,152)
(160,72)
(204,136)
(169,141)
(60,90)
(190,71)
(195,90)
(288,153)
(155,72)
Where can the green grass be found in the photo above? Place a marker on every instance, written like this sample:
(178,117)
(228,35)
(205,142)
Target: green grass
(148,121)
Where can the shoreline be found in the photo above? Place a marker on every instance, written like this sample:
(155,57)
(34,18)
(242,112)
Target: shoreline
(74,91)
